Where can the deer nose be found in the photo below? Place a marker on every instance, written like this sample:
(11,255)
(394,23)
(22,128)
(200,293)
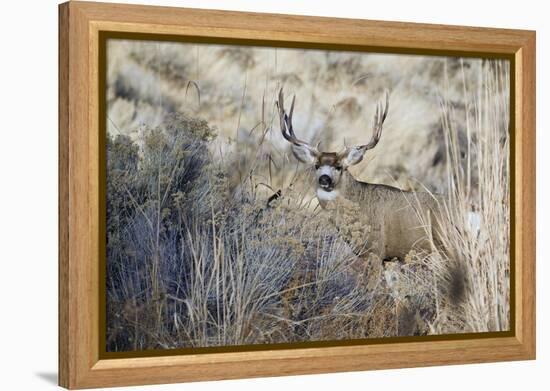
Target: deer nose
(325,181)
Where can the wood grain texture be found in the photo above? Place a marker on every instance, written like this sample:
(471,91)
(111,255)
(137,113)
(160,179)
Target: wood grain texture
(526,212)
(63,221)
(80,24)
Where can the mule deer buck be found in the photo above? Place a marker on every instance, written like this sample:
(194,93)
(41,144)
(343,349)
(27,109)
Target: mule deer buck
(394,214)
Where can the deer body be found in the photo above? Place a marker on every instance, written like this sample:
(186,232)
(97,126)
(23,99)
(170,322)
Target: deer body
(393,215)
(397,218)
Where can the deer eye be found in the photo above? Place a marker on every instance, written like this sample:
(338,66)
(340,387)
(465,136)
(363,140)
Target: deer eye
(317,166)
(339,168)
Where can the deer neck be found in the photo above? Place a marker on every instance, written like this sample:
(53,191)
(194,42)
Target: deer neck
(352,189)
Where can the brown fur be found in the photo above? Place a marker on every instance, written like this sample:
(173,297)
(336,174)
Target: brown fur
(394,215)
(328,159)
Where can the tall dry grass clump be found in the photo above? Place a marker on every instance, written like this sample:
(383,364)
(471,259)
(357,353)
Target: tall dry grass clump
(472,265)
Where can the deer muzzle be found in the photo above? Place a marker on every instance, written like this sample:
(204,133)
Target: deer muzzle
(325,183)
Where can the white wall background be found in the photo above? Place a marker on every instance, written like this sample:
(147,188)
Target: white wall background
(28,193)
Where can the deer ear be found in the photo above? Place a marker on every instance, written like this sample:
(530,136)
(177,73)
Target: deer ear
(304,153)
(353,155)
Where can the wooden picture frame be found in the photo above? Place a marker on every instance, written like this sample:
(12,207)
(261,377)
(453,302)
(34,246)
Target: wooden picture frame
(80,27)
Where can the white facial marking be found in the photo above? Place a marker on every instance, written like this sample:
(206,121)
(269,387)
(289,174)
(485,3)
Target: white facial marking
(327,195)
(325,170)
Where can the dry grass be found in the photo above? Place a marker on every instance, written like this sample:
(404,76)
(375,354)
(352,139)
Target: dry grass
(474,258)
(197,256)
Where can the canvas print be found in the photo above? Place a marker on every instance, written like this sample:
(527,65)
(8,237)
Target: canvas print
(266,195)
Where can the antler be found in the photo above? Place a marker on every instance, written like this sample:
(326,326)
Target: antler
(286,124)
(353,155)
(379,118)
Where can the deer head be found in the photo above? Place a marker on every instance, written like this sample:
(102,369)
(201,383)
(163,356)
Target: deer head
(329,166)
